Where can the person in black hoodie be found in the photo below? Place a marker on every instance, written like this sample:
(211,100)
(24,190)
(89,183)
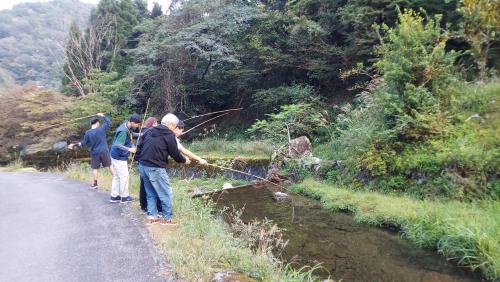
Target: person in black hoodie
(158,143)
(150,123)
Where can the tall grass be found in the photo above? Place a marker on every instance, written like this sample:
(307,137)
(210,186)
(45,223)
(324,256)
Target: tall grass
(203,243)
(15,165)
(467,233)
(220,148)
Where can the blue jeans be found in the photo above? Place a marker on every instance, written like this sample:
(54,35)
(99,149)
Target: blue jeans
(157,185)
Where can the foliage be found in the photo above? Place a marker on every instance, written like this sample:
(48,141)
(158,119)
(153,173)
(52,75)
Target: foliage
(421,131)
(482,31)
(90,105)
(25,113)
(270,100)
(111,86)
(466,233)
(214,54)
(120,17)
(292,121)
(417,70)
(31,36)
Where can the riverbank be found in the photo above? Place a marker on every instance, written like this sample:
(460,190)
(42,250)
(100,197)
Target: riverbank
(466,233)
(202,244)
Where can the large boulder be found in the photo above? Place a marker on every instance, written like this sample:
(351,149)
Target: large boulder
(300,147)
(59,146)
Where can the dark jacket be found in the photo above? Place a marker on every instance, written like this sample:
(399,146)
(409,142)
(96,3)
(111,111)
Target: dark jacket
(121,142)
(156,145)
(95,138)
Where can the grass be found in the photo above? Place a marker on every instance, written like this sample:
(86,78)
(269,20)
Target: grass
(17,166)
(467,233)
(216,148)
(203,243)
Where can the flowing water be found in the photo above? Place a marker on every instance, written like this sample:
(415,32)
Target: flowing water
(345,249)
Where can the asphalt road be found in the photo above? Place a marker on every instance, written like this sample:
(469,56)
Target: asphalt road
(56,229)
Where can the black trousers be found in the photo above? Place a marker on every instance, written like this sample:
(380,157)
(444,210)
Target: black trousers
(143,200)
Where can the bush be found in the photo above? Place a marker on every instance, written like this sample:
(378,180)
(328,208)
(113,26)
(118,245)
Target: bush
(270,100)
(417,71)
(421,131)
(293,121)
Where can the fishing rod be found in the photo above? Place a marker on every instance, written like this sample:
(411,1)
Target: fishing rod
(217,112)
(139,137)
(246,173)
(200,124)
(64,122)
(258,177)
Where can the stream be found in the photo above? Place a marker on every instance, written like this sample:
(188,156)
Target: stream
(346,250)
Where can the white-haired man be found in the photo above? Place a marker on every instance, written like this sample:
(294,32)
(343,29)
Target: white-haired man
(157,144)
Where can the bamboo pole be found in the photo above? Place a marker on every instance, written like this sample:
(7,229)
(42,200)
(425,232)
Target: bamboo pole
(139,138)
(61,123)
(217,112)
(200,124)
(246,173)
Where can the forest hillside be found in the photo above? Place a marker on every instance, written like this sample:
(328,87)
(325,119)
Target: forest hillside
(32,38)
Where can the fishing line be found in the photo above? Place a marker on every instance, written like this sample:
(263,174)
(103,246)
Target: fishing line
(217,112)
(200,124)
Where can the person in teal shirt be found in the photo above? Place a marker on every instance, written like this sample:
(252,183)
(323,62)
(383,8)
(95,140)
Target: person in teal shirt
(120,150)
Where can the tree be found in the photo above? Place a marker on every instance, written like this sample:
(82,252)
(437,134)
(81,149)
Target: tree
(83,53)
(156,11)
(31,35)
(121,16)
(142,8)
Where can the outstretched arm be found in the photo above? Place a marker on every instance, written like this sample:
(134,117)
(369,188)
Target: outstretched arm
(84,142)
(192,155)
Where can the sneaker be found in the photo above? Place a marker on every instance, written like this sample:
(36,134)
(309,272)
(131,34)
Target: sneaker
(126,199)
(164,221)
(153,219)
(114,199)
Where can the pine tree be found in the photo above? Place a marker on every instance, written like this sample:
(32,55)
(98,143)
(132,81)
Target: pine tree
(156,12)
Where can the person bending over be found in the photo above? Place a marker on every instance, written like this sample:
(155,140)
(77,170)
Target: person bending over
(178,131)
(95,139)
(148,124)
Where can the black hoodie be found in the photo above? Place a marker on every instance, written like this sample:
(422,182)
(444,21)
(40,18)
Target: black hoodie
(155,146)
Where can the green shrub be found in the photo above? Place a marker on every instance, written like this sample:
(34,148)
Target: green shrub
(292,121)
(271,100)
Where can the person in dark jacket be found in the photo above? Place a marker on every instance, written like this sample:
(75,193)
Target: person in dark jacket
(148,124)
(157,144)
(120,151)
(95,139)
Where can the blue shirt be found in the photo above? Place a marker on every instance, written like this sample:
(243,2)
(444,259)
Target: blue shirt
(95,138)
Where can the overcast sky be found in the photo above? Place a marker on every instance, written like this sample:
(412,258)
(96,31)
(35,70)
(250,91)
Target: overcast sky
(8,4)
